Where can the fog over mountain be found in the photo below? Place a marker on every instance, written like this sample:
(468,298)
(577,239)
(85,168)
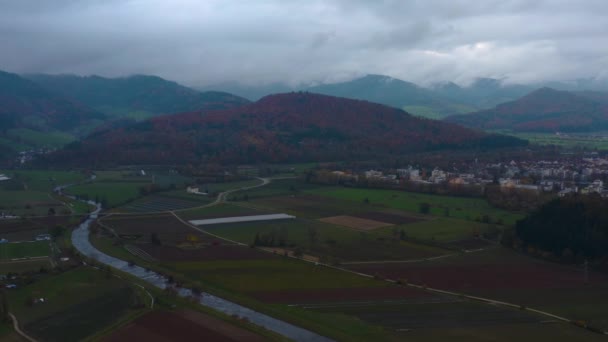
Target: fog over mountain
(200,43)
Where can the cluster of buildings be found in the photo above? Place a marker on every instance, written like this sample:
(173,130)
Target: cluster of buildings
(571,175)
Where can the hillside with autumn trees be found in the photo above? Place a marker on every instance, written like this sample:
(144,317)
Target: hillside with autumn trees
(31,116)
(278,128)
(543,110)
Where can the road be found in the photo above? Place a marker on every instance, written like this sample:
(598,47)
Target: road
(80,240)
(18,330)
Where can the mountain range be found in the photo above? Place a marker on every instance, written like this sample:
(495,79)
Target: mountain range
(30,113)
(436,101)
(137,97)
(278,128)
(53,110)
(543,110)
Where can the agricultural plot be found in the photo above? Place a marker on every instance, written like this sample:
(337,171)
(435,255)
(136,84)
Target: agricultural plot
(238,219)
(21,250)
(446,230)
(23,266)
(27,203)
(203,253)
(160,326)
(27,229)
(474,273)
(457,207)
(312,206)
(355,222)
(351,297)
(279,187)
(165,227)
(111,194)
(274,274)
(325,240)
(75,304)
(43,180)
(217,211)
(158,203)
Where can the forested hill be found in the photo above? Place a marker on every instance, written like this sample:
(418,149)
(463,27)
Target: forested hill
(278,128)
(33,117)
(26,104)
(569,228)
(136,97)
(543,110)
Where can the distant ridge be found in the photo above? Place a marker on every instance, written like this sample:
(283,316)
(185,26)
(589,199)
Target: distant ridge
(138,96)
(278,128)
(543,110)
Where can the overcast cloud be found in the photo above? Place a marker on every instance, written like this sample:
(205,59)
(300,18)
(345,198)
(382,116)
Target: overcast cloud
(201,42)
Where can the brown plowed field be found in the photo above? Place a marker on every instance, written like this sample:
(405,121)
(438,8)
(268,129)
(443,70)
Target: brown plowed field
(532,275)
(164,326)
(388,217)
(355,222)
(166,227)
(470,244)
(206,253)
(341,295)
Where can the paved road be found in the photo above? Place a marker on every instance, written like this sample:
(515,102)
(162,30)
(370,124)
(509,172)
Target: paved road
(80,240)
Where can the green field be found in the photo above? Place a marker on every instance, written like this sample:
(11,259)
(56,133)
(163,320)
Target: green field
(279,187)
(77,303)
(24,266)
(246,276)
(40,139)
(19,250)
(575,141)
(457,207)
(443,229)
(112,193)
(28,191)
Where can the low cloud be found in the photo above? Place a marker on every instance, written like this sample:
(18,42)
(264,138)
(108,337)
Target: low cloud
(307,41)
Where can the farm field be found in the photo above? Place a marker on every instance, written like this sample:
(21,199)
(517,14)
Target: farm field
(443,229)
(183,325)
(458,321)
(18,250)
(217,211)
(166,227)
(43,180)
(111,193)
(27,203)
(270,274)
(76,304)
(457,207)
(22,266)
(279,187)
(503,275)
(312,206)
(326,240)
(27,229)
(157,203)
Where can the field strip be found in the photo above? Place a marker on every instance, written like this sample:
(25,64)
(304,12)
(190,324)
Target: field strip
(235,219)
(206,232)
(18,330)
(138,252)
(415,260)
(397,261)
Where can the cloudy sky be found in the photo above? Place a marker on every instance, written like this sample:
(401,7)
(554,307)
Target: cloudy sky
(201,42)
